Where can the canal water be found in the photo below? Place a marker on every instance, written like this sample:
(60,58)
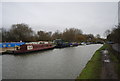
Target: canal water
(65,63)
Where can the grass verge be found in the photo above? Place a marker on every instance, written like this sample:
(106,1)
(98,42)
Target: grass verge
(93,68)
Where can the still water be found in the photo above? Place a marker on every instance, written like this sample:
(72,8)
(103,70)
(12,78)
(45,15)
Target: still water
(65,63)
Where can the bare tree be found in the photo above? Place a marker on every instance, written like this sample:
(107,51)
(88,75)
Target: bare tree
(57,35)
(44,36)
(107,32)
(98,36)
(71,34)
(18,32)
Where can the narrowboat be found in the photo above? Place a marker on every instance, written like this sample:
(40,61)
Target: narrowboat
(74,44)
(27,48)
(59,43)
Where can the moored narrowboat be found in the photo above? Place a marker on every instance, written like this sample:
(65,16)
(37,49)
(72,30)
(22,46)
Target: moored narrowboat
(27,48)
(61,44)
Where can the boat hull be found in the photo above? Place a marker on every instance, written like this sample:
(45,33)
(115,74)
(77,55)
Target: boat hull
(28,51)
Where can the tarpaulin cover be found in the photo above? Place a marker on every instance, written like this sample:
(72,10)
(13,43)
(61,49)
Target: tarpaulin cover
(4,45)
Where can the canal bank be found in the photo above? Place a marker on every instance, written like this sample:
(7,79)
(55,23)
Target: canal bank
(100,65)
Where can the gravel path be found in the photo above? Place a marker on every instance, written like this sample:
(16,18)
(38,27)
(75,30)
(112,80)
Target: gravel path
(108,70)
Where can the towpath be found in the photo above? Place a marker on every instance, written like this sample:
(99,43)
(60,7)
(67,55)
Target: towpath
(108,69)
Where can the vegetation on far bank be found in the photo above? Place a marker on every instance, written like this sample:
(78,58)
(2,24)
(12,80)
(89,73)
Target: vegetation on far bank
(114,34)
(23,32)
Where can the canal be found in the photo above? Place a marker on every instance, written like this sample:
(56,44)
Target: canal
(65,63)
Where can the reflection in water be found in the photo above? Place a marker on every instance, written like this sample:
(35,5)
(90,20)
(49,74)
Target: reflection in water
(64,63)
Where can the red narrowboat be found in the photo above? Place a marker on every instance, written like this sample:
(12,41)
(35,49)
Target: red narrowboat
(27,48)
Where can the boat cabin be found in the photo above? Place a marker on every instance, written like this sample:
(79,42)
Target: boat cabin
(34,46)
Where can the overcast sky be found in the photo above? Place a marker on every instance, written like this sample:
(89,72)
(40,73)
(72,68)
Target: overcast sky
(90,17)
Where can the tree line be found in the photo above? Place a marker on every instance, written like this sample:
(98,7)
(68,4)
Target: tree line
(22,32)
(114,35)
